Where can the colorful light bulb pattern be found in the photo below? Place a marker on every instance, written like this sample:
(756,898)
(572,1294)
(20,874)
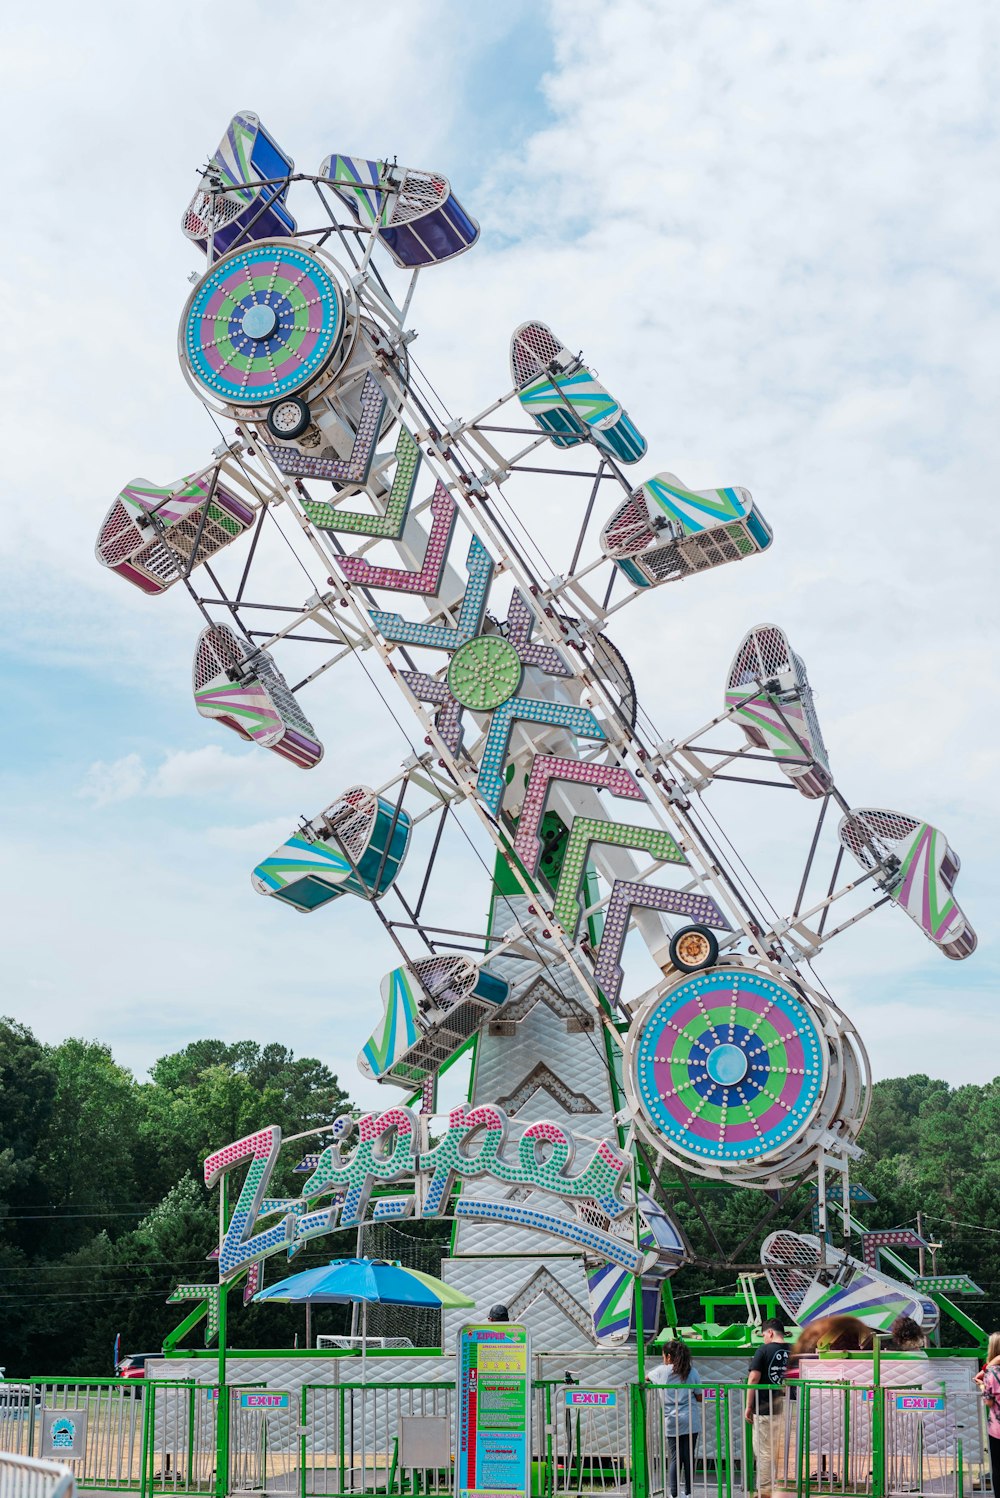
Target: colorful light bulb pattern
(383,1149)
(515,634)
(587,830)
(484,673)
(947,1284)
(729,1066)
(423,579)
(208,1296)
(397,630)
(269,321)
(490,784)
(352,470)
(547,768)
(628,895)
(888,1238)
(263,323)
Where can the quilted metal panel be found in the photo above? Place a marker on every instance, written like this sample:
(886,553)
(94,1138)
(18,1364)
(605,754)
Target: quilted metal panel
(505,1067)
(552,1325)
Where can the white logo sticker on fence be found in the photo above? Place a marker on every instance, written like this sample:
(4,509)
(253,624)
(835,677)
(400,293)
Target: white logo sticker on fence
(64,1434)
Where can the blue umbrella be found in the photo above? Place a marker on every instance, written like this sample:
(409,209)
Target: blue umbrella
(365,1282)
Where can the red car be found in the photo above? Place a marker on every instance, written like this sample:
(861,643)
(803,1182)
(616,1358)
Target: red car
(134,1365)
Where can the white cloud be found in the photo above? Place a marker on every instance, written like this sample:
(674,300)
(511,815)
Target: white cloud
(104,784)
(209,772)
(772,231)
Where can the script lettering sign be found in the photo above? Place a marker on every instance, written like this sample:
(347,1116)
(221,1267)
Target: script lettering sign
(380,1150)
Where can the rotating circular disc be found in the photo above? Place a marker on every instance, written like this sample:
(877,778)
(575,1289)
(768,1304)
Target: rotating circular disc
(484,672)
(263,323)
(728,1066)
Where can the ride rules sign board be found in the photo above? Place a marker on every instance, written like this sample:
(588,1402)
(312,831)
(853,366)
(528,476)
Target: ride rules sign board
(493,1440)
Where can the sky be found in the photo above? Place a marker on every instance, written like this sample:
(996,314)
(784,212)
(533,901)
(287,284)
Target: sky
(772,229)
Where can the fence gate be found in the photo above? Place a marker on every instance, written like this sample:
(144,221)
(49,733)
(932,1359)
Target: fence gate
(264,1441)
(390,1439)
(181,1438)
(111,1417)
(589,1436)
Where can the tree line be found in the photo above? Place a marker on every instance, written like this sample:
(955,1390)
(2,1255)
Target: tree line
(103,1210)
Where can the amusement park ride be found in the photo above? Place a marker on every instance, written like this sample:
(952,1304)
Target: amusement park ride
(613,1075)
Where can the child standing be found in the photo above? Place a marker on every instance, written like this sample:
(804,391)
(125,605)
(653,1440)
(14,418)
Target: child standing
(679,1380)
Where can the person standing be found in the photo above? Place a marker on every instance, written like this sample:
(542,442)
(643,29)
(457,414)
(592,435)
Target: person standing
(988,1379)
(679,1381)
(765,1406)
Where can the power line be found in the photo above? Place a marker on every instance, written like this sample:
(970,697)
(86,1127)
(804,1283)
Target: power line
(955,1223)
(66,1217)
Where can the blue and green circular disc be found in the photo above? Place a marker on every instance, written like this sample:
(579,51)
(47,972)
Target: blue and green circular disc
(263,323)
(729,1066)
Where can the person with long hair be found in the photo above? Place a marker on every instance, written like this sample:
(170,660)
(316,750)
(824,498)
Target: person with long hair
(988,1380)
(905,1336)
(678,1379)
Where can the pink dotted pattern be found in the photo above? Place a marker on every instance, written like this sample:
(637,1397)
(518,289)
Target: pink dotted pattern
(374,1125)
(428,579)
(548,767)
(255,1146)
(888,1238)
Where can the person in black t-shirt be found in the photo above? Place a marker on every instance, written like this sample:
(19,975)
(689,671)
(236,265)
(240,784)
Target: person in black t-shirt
(765,1406)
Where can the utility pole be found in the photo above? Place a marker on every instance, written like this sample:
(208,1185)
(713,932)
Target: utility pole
(920,1250)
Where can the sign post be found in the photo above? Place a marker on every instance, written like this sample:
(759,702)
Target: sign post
(493,1439)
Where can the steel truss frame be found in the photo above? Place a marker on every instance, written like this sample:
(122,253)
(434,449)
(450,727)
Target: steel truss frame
(471,461)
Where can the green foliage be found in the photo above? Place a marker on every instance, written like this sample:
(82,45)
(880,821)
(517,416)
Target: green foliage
(103,1209)
(27,1095)
(212,1093)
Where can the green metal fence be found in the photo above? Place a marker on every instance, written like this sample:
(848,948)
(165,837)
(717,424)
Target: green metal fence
(828,1440)
(139,1436)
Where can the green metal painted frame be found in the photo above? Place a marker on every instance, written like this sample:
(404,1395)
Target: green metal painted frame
(548,1476)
